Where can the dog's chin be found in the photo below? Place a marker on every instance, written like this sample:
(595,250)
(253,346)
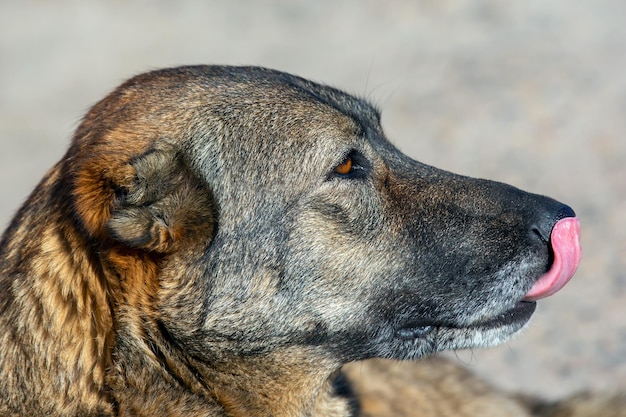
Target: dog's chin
(424,339)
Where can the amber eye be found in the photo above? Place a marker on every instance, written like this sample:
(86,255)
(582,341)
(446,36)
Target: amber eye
(345,167)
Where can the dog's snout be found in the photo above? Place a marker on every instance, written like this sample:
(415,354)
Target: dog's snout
(548,217)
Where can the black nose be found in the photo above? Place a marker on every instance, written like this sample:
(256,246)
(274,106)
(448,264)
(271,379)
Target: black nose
(547,217)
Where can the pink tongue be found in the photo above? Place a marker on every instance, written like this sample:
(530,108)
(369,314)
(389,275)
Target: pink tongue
(565,240)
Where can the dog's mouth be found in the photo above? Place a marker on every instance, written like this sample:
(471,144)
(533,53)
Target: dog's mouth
(566,251)
(518,315)
(513,318)
(420,339)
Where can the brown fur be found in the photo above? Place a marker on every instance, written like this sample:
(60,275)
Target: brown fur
(195,254)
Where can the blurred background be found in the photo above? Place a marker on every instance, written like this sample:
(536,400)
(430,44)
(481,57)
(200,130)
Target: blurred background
(531,93)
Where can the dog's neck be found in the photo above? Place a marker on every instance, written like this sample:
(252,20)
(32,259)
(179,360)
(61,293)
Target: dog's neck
(289,383)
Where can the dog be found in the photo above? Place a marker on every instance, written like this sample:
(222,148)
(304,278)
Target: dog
(220,241)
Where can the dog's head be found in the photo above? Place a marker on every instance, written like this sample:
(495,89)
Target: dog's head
(247,210)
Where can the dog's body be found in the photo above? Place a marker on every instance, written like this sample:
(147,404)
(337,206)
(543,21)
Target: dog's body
(219,241)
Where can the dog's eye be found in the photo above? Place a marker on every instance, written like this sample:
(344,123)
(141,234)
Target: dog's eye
(353,166)
(345,167)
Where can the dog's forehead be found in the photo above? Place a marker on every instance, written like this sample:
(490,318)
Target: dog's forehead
(286,85)
(272,93)
(264,110)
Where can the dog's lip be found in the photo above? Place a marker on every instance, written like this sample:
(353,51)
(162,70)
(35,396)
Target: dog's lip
(519,314)
(565,241)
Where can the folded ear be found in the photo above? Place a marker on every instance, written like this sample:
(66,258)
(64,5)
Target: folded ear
(163,206)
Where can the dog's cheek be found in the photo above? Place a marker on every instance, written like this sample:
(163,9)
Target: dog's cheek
(340,269)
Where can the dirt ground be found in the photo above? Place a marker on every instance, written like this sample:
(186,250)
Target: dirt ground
(530,92)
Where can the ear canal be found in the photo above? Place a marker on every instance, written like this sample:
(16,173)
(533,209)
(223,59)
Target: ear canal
(163,208)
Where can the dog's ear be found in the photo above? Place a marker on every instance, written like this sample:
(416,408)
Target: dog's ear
(161,205)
